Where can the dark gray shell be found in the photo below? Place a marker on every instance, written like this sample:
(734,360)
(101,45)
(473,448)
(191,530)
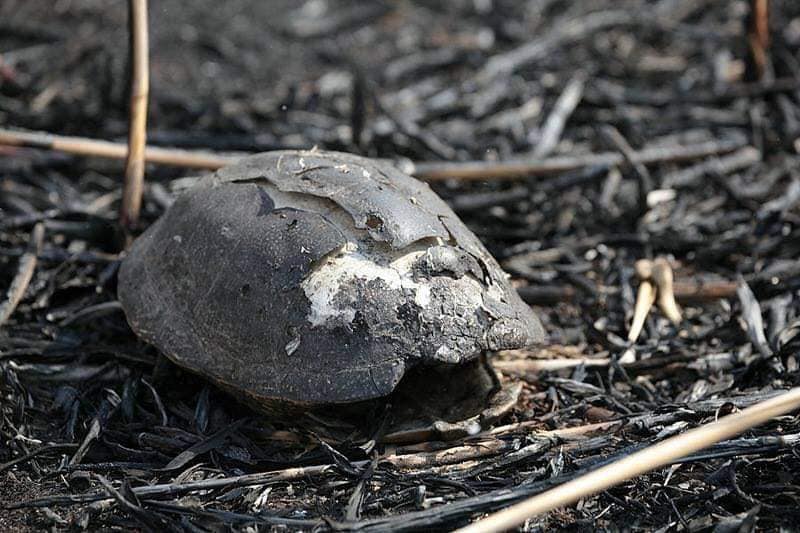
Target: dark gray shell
(315,277)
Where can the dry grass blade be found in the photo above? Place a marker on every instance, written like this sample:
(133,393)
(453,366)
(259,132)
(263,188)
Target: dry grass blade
(638,463)
(134,165)
(27,265)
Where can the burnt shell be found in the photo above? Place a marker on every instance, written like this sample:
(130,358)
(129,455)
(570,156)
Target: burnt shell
(310,277)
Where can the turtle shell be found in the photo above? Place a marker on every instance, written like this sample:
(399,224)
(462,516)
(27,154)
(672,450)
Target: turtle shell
(312,278)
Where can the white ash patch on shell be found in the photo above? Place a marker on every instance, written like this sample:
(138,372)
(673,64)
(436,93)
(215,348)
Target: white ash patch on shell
(328,286)
(361,258)
(433,290)
(369,284)
(440,299)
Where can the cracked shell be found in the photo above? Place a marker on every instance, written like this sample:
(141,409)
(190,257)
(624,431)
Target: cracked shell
(311,278)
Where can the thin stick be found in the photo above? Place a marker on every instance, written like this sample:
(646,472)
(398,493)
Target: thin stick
(516,168)
(643,461)
(113,150)
(27,265)
(430,171)
(547,365)
(758,36)
(688,290)
(134,165)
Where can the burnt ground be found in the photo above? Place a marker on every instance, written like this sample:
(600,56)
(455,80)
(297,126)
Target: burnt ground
(95,434)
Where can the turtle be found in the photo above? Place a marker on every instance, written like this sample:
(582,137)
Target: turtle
(299,279)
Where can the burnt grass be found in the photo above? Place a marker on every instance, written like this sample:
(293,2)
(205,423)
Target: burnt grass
(97,432)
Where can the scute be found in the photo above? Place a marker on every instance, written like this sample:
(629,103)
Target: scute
(238,281)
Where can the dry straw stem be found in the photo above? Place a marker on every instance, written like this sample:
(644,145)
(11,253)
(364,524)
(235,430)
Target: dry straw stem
(661,454)
(663,278)
(530,366)
(644,298)
(759,35)
(134,164)
(112,150)
(27,265)
(523,167)
(429,171)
